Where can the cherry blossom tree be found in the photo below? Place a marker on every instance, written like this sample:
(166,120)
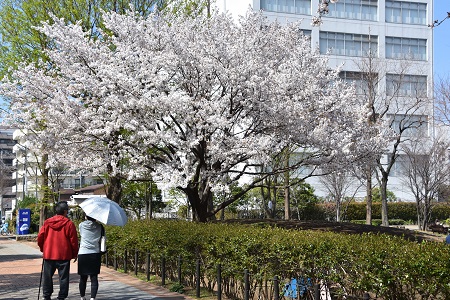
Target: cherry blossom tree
(200,102)
(20,41)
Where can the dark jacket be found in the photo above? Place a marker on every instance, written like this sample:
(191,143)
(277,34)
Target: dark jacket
(58,239)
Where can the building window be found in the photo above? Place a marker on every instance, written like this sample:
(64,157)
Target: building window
(347,44)
(409,125)
(362,81)
(406,12)
(400,166)
(354,9)
(406,48)
(306,33)
(302,7)
(406,85)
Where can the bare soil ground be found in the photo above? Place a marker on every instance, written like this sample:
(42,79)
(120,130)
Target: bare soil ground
(345,227)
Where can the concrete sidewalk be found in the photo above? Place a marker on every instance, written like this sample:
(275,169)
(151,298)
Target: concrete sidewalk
(20,270)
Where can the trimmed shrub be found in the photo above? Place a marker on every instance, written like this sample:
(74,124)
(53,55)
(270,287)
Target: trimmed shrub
(388,266)
(406,211)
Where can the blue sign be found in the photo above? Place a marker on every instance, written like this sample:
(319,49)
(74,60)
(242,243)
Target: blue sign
(23,221)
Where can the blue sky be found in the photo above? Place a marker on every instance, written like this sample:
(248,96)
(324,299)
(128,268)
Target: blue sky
(441,40)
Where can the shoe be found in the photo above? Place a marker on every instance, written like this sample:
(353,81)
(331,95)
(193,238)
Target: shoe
(83,298)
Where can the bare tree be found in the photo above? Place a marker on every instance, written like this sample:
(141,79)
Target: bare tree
(398,98)
(442,101)
(338,185)
(56,175)
(425,168)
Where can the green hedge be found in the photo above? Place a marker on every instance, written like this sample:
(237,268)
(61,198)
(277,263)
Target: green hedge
(396,210)
(386,266)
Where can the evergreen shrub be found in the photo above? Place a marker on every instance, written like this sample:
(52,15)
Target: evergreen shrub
(354,211)
(388,266)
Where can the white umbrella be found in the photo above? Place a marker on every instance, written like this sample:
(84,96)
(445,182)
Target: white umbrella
(104,210)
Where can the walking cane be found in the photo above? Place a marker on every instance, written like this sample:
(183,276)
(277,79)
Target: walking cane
(40,280)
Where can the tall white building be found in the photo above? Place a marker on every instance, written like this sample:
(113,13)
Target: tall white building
(397,32)
(7,197)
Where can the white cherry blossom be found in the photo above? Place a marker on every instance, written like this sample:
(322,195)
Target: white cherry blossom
(196,101)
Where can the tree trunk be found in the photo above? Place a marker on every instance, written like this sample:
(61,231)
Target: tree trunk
(114,189)
(200,206)
(419,214)
(426,212)
(369,196)
(384,206)
(274,202)
(148,200)
(338,210)
(267,211)
(287,206)
(48,198)
(287,194)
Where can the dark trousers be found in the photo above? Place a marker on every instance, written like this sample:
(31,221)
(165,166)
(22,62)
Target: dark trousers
(94,285)
(50,266)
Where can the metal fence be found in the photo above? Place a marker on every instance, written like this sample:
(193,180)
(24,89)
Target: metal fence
(221,280)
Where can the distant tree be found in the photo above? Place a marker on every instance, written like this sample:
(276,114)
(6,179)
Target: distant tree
(442,103)
(339,185)
(376,192)
(142,197)
(404,107)
(303,198)
(426,170)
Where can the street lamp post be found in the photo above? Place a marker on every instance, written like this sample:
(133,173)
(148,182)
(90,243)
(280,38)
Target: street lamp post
(24,177)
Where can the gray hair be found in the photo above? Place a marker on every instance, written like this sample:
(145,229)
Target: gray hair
(61,207)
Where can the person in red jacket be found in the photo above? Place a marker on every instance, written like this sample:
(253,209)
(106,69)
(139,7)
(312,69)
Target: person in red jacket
(58,241)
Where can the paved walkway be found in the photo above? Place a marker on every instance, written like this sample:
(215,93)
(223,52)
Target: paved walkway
(20,270)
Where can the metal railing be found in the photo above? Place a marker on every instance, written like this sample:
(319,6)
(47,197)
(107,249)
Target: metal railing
(242,284)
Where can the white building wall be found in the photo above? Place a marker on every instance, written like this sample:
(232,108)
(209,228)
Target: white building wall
(379,28)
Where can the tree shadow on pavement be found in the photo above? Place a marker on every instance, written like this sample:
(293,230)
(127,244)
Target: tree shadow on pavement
(16,257)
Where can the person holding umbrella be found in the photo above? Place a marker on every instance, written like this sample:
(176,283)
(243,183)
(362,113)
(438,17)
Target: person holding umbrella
(97,209)
(58,241)
(89,256)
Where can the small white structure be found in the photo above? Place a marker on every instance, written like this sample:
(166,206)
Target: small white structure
(77,199)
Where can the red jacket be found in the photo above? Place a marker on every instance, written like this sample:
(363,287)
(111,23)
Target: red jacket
(58,239)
